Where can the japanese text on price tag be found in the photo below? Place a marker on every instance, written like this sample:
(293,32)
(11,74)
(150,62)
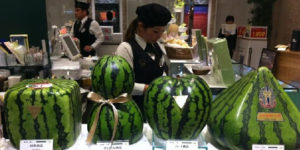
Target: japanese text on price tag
(267,147)
(182,145)
(36,144)
(115,146)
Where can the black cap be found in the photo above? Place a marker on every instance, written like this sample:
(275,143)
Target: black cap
(153,15)
(82,5)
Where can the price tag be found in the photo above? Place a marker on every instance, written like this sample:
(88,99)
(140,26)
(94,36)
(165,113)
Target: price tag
(36,144)
(182,145)
(267,147)
(116,145)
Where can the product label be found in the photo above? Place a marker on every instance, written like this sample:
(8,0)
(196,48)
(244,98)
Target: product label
(267,147)
(34,110)
(124,145)
(180,100)
(39,85)
(36,144)
(267,98)
(181,145)
(263,116)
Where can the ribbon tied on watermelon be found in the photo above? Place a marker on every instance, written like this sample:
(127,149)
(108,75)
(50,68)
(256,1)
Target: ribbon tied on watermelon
(123,98)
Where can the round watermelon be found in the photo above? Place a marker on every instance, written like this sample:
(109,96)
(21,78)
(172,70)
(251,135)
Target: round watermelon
(255,110)
(112,76)
(177,108)
(130,124)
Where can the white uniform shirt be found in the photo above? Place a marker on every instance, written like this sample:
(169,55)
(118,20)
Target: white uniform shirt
(95,30)
(125,51)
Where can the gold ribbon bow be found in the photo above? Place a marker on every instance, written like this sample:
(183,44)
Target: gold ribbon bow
(123,98)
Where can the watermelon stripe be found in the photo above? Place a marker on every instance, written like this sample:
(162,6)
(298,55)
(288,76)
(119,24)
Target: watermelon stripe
(101,79)
(225,92)
(20,107)
(62,139)
(7,95)
(221,101)
(113,77)
(132,127)
(277,131)
(292,123)
(108,120)
(169,113)
(155,102)
(244,138)
(43,113)
(234,96)
(205,96)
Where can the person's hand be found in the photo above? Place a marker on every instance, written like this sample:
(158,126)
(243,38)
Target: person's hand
(227,34)
(87,48)
(146,87)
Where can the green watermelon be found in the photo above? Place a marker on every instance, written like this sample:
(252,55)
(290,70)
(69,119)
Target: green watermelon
(255,110)
(43,109)
(112,76)
(130,124)
(164,114)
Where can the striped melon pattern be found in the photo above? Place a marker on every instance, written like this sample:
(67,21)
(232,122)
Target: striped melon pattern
(166,118)
(112,76)
(233,122)
(59,117)
(130,125)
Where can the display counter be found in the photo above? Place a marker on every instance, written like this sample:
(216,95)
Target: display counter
(240,70)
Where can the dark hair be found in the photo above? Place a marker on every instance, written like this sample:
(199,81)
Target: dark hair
(149,15)
(229,18)
(131,30)
(109,15)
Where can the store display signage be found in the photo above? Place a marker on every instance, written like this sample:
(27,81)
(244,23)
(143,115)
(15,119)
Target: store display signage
(241,31)
(36,144)
(267,147)
(117,145)
(181,145)
(258,32)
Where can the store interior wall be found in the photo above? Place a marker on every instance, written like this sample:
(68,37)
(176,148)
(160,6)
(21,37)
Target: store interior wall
(24,17)
(285,20)
(133,4)
(59,12)
(240,9)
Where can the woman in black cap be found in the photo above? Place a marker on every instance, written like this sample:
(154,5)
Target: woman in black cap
(141,49)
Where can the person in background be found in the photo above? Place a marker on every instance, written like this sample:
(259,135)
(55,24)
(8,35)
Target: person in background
(231,38)
(109,16)
(86,30)
(141,49)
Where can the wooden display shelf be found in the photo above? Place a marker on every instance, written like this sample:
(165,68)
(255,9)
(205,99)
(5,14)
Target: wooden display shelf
(287,66)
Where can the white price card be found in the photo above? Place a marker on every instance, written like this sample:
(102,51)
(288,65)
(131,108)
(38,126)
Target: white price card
(36,144)
(124,145)
(267,147)
(181,145)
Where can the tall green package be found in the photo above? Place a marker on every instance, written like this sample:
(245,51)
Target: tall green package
(222,66)
(43,109)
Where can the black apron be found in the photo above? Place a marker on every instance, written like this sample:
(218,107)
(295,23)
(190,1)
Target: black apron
(84,36)
(145,68)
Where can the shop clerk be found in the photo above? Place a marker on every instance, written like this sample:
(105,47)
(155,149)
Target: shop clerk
(141,49)
(86,30)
